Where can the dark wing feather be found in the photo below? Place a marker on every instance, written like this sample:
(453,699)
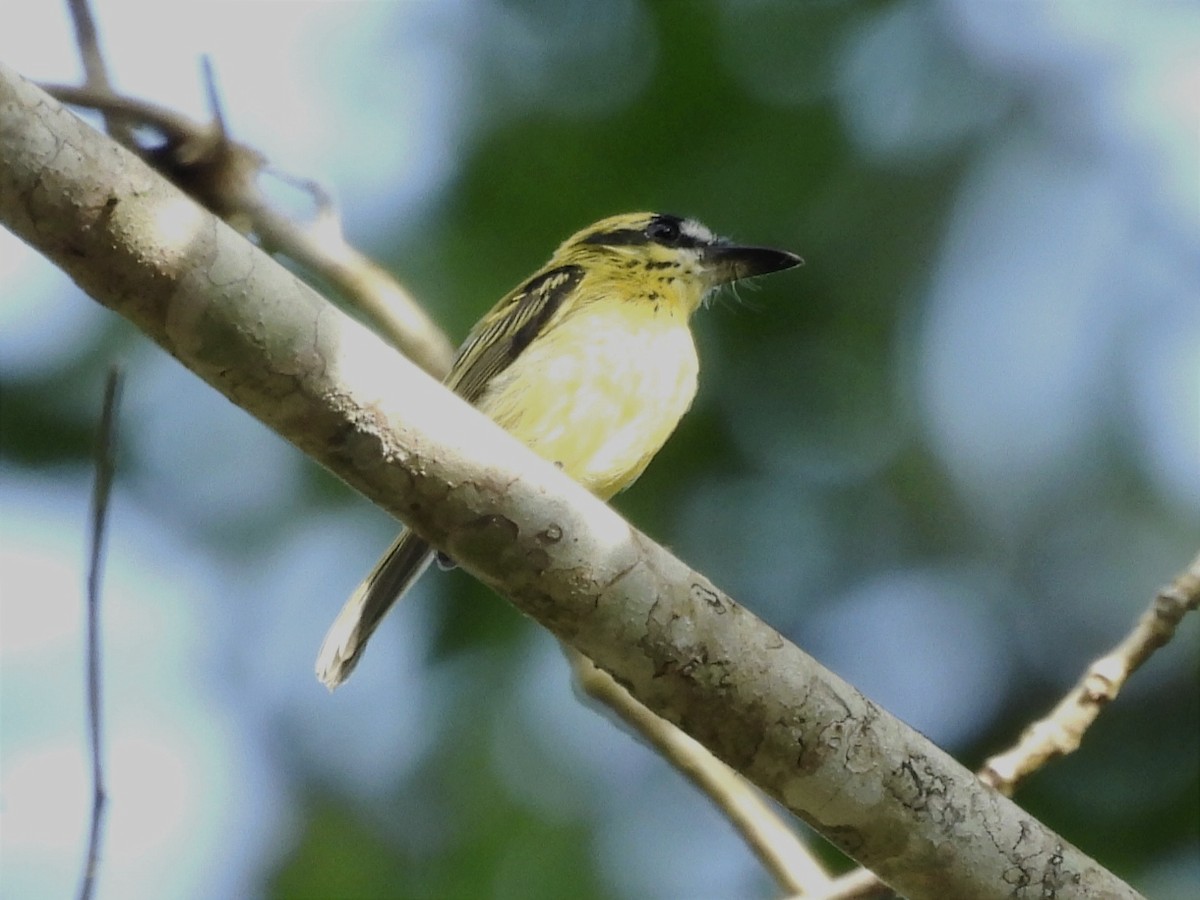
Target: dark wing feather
(509,328)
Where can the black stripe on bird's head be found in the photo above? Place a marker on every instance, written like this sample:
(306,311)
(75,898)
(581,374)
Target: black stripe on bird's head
(644,229)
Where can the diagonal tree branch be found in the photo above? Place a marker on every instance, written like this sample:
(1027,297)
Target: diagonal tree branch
(871,785)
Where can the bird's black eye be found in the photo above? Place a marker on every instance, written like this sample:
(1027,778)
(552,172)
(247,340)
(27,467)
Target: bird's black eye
(664,231)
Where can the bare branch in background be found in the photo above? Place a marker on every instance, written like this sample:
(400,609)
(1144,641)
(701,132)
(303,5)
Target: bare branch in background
(105,452)
(1062,731)
(777,846)
(223,175)
(861,884)
(95,71)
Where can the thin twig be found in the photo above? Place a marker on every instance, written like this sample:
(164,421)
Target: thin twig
(214,97)
(101,490)
(1061,732)
(173,126)
(777,846)
(861,884)
(95,70)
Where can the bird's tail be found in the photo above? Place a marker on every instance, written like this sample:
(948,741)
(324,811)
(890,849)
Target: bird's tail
(394,574)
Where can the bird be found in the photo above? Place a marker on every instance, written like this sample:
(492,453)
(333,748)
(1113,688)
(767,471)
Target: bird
(590,362)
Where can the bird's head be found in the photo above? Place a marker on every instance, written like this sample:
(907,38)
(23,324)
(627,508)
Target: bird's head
(662,252)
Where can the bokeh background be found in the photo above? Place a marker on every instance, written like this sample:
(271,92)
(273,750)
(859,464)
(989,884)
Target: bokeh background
(952,457)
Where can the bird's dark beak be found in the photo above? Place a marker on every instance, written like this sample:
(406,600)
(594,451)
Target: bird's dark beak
(731,263)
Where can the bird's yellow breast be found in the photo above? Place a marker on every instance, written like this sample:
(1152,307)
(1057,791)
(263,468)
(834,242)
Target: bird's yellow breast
(600,391)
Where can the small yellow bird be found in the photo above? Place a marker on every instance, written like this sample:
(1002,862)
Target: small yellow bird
(590,362)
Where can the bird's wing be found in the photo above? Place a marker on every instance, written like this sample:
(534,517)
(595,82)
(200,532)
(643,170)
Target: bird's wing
(502,334)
